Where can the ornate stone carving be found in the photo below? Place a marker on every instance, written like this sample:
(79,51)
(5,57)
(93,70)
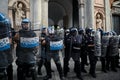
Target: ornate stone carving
(99,21)
(19,13)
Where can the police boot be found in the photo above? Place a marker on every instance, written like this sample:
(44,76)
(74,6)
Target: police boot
(117,61)
(93,75)
(103,65)
(78,70)
(59,68)
(10,72)
(40,63)
(39,71)
(48,69)
(83,68)
(65,67)
(20,74)
(92,70)
(113,66)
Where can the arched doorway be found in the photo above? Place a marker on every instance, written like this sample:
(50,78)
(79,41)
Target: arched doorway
(63,13)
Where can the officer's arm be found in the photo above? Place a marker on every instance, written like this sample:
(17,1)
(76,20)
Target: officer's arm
(16,37)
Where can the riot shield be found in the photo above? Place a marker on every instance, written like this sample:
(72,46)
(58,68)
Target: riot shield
(104,45)
(114,43)
(97,43)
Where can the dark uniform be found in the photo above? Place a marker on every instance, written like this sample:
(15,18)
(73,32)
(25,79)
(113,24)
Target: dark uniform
(43,51)
(72,49)
(91,52)
(104,47)
(52,52)
(6,59)
(26,51)
(113,51)
(83,51)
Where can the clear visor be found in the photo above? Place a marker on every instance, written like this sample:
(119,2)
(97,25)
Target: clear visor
(26,26)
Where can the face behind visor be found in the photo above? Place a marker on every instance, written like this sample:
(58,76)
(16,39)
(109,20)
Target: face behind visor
(26,24)
(73,31)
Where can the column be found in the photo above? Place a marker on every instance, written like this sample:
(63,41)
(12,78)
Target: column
(108,16)
(45,13)
(35,10)
(81,13)
(90,13)
(4,6)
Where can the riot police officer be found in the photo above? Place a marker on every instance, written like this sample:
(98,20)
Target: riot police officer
(6,59)
(91,53)
(113,50)
(52,51)
(43,50)
(104,47)
(26,49)
(74,40)
(83,50)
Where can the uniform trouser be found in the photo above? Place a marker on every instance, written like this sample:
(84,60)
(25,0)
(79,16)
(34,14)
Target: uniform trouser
(111,63)
(83,59)
(43,59)
(117,60)
(66,64)
(77,66)
(93,61)
(41,63)
(56,59)
(66,61)
(103,63)
(10,72)
(23,70)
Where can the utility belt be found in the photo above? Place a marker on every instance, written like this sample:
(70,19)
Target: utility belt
(90,46)
(77,48)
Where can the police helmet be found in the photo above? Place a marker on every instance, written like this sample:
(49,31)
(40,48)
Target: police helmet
(25,21)
(113,33)
(104,34)
(109,33)
(4,22)
(2,17)
(43,28)
(73,30)
(88,30)
(67,31)
(80,30)
(51,30)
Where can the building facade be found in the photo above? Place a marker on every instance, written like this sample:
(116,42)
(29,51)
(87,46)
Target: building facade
(103,14)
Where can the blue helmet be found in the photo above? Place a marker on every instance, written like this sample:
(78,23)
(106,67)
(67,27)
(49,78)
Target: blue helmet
(4,22)
(25,21)
(2,17)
